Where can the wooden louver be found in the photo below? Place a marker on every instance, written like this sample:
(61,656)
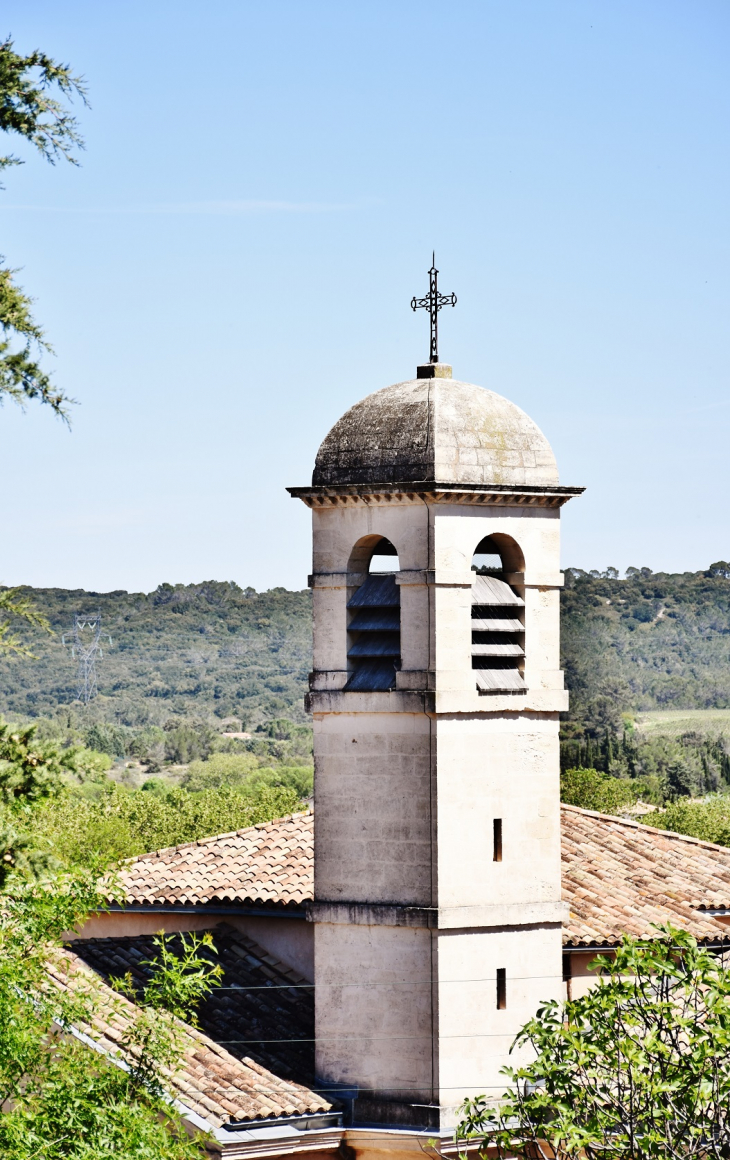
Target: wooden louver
(374,634)
(497,635)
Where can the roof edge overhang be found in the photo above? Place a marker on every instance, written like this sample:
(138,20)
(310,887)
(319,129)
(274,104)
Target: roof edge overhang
(265,910)
(328,495)
(709,942)
(260,1140)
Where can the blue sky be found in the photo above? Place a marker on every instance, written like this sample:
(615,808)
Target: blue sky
(232,266)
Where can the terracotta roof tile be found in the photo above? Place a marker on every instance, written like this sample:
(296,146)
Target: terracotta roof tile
(618,876)
(268,864)
(211,1082)
(621,877)
(259,1006)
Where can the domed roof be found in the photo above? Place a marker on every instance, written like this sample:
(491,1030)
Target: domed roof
(435,430)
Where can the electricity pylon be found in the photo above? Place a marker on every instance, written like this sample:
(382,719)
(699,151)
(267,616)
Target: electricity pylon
(86,651)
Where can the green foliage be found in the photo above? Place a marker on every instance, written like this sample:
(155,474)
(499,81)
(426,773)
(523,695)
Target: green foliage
(708,820)
(60,808)
(61,1100)
(651,641)
(30,771)
(242,771)
(657,768)
(177,985)
(637,1069)
(221,769)
(185,742)
(21,375)
(123,823)
(82,1113)
(594,790)
(31,922)
(12,604)
(28,110)
(194,654)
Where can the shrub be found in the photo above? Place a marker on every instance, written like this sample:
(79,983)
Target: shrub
(708,820)
(593,790)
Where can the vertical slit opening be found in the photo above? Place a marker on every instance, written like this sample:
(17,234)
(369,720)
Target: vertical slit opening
(497,840)
(501,988)
(568,975)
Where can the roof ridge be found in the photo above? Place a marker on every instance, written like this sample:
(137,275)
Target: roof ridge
(215,838)
(643,826)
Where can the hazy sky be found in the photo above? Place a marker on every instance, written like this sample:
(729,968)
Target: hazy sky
(232,266)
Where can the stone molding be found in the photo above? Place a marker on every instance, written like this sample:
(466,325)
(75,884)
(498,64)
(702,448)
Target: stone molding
(482,917)
(327,695)
(340,495)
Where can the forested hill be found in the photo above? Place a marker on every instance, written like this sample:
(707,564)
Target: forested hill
(651,640)
(200,650)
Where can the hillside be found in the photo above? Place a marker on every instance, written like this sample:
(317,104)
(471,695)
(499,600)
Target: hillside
(648,642)
(202,650)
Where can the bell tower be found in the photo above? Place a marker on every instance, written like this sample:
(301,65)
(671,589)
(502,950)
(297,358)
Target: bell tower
(435,697)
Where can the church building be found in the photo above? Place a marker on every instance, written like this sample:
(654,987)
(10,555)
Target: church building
(382,954)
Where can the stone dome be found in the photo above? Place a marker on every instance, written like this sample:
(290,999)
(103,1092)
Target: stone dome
(435,430)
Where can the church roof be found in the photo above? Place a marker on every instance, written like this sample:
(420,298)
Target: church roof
(265,865)
(212,1081)
(435,430)
(263,1010)
(618,876)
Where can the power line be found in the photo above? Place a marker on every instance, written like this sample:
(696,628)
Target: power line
(404,983)
(369,1038)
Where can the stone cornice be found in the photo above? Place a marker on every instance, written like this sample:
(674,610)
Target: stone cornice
(472,493)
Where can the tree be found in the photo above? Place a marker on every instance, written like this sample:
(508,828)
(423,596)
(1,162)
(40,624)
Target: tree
(60,1099)
(13,604)
(29,110)
(636,1069)
(593,790)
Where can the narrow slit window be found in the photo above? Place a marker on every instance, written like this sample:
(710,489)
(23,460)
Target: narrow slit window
(501,988)
(497,840)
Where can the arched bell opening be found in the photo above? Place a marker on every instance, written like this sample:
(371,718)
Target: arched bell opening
(373,630)
(497,617)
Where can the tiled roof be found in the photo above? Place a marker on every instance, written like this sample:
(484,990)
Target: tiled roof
(259,1007)
(269,864)
(211,1082)
(620,877)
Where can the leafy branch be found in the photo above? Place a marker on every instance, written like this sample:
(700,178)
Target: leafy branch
(152,1042)
(11,604)
(28,109)
(636,1069)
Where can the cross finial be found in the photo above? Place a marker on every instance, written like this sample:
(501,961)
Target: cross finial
(433,302)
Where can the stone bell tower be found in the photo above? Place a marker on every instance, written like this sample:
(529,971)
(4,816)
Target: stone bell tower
(435,696)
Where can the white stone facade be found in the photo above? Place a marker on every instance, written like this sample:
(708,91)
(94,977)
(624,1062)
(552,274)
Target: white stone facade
(414,917)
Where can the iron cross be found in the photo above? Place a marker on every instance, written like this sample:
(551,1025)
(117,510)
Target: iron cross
(433,302)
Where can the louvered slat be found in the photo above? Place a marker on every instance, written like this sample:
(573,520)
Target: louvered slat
(378,591)
(496,650)
(375,634)
(489,625)
(495,617)
(376,620)
(376,644)
(372,676)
